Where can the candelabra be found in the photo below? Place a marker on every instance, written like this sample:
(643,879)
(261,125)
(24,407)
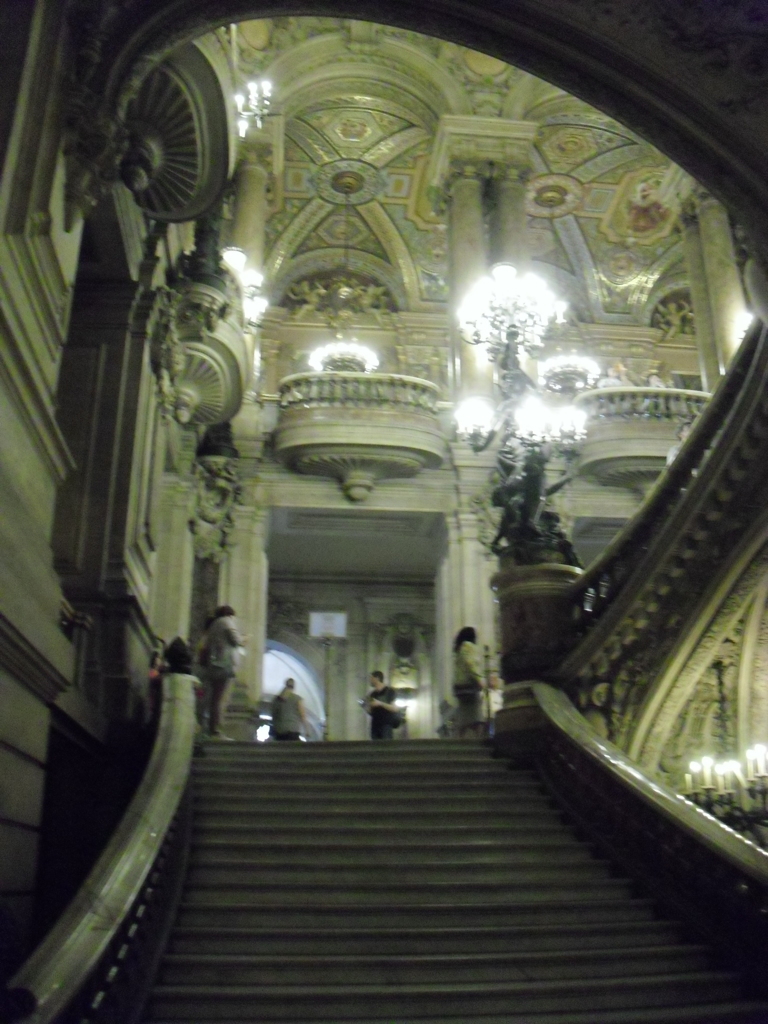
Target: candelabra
(510,315)
(735,795)
(254,106)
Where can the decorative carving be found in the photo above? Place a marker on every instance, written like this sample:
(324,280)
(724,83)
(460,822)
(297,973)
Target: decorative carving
(218,491)
(674,315)
(338,298)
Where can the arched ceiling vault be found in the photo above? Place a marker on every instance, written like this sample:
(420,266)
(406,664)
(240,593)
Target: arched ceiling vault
(690,78)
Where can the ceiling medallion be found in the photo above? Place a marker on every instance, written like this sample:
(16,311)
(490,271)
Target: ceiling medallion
(348,181)
(553,195)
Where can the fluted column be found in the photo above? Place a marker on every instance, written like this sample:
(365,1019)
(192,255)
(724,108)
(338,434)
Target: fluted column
(250,208)
(508,222)
(710,365)
(467,256)
(172,591)
(245,577)
(726,295)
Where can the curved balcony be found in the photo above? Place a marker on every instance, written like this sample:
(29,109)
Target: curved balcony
(630,431)
(358,427)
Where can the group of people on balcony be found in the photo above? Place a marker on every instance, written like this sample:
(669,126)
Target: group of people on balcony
(617,376)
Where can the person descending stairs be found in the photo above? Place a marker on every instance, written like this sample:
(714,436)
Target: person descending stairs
(414,882)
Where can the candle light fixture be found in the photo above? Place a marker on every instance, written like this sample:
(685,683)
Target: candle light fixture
(735,793)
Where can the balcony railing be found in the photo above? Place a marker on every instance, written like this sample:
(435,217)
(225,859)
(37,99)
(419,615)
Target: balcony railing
(625,403)
(378,390)
(358,427)
(631,432)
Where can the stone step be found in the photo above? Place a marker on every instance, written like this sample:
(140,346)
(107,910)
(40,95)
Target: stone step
(396,970)
(373,832)
(739,1012)
(514,854)
(235,786)
(409,814)
(208,911)
(367,876)
(534,889)
(467,1001)
(500,938)
(272,803)
(339,776)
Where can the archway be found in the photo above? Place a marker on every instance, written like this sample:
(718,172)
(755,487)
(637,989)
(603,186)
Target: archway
(282,662)
(692,83)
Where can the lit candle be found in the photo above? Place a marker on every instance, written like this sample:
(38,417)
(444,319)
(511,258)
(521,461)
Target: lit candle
(688,784)
(760,753)
(707,764)
(750,766)
(720,778)
(695,772)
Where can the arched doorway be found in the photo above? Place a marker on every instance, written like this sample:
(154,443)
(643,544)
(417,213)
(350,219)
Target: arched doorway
(280,663)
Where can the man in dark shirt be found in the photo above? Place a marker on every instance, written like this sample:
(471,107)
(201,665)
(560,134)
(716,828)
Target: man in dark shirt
(381,708)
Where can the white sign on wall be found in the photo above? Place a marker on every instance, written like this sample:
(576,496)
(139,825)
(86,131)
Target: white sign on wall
(328,625)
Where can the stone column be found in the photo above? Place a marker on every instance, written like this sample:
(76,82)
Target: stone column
(250,209)
(710,366)
(508,222)
(467,259)
(243,584)
(172,592)
(104,528)
(726,295)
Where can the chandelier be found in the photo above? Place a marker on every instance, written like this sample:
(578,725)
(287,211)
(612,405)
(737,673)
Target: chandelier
(506,308)
(509,315)
(344,357)
(254,107)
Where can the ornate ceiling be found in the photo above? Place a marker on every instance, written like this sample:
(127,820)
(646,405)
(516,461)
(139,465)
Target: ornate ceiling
(362,105)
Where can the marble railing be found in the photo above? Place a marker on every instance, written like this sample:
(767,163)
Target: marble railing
(630,605)
(647,403)
(358,428)
(381,390)
(631,431)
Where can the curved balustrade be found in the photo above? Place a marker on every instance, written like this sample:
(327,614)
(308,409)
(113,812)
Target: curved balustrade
(358,427)
(378,390)
(91,954)
(646,403)
(708,874)
(630,605)
(630,432)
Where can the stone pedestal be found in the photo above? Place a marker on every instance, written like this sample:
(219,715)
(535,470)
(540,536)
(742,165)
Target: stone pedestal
(517,726)
(536,623)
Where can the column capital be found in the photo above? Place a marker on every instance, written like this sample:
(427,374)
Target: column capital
(265,147)
(486,141)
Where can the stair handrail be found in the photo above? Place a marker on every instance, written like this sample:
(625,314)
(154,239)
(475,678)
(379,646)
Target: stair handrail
(672,483)
(715,878)
(59,968)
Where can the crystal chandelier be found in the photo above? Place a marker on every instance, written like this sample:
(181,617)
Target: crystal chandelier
(505,309)
(254,107)
(343,357)
(509,315)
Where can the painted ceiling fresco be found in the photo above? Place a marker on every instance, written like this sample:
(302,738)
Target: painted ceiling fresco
(362,105)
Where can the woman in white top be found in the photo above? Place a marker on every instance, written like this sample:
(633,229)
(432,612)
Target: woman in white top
(467,684)
(223,647)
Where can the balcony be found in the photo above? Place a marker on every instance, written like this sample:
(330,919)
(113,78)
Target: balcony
(630,432)
(358,428)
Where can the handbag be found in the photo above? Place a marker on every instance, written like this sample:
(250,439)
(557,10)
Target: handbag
(396,719)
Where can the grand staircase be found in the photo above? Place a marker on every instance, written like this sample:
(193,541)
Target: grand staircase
(420,881)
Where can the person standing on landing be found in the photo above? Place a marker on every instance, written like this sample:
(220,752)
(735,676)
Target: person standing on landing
(467,684)
(289,719)
(223,644)
(381,707)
